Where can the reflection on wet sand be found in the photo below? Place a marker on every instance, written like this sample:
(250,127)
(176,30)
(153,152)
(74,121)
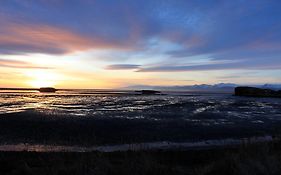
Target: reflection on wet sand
(92,119)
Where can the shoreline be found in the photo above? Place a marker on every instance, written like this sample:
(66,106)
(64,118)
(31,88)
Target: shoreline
(149,146)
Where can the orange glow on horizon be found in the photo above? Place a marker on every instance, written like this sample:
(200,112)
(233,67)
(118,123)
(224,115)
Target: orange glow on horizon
(41,78)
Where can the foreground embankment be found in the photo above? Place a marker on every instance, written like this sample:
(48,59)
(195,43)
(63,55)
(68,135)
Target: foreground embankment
(258,158)
(165,145)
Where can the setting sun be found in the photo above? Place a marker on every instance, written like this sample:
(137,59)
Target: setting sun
(42,78)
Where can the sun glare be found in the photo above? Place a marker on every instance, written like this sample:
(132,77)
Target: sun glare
(42,79)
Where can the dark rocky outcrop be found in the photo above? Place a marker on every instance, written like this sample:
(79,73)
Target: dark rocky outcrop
(149,92)
(47,89)
(256,92)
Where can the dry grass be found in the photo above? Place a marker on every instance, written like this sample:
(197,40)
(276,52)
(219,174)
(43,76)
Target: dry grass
(258,159)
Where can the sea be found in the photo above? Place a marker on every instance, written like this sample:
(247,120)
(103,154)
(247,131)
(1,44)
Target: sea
(120,120)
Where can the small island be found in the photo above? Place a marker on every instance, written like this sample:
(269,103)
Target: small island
(47,89)
(256,92)
(149,92)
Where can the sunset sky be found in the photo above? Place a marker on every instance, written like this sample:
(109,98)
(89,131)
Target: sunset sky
(118,43)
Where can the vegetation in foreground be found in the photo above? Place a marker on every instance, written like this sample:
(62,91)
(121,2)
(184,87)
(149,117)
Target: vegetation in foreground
(246,160)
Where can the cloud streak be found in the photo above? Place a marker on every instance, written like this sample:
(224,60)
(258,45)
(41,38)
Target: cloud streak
(20,38)
(122,67)
(242,65)
(20,64)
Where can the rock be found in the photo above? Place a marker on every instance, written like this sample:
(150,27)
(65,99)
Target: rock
(149,92)
(47,89)
(256,92)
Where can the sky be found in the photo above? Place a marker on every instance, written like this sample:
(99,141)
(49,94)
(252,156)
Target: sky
(120,43)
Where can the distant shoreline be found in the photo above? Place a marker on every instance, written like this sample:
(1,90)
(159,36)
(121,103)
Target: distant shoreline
(122,91)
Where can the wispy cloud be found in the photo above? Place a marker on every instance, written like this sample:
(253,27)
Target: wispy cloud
(20,38)
(122,66)
(243,65)
(20,64)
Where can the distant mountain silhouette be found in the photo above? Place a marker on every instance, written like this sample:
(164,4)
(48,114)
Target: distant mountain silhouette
(223,87)
(271,86)
(228,87)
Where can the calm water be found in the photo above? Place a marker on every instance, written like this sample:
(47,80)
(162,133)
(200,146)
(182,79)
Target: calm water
(95,117)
